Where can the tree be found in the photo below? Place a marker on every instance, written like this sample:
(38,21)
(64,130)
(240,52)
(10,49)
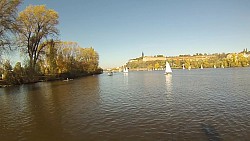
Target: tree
(242,60)
(18,73)
(150,67)
(8,12)
(7,66)
(18,68)
(51,54)
(36,24)
(7,69)
(60,63)
(73,59)
(157,66)
(178,63)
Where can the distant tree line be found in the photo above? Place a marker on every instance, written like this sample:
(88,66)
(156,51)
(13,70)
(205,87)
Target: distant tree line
(34,31)
(241,59)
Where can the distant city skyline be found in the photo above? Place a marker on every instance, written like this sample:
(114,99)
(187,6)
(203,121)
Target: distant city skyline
(122,29)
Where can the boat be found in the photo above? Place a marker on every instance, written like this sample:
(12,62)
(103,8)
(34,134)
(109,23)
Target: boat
(222,66)
(125,70)
(67,79)
(110,73)
(189,67)
(183,66)
(168,69)
(201,66)
(214,66)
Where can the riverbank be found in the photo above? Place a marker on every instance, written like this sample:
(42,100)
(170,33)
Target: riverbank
(46,78)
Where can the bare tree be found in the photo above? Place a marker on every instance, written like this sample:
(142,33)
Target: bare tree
(8,13)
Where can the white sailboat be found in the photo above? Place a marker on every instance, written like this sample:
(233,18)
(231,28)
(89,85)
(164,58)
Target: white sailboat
(110,73)
(201,66)
(168,69)
(125,70)
(183,66)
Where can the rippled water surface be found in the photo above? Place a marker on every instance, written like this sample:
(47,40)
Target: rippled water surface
(197,105)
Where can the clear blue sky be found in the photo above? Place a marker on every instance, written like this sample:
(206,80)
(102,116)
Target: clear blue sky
(121,29)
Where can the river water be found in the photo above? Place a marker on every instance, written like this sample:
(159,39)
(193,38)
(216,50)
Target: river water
(197,105)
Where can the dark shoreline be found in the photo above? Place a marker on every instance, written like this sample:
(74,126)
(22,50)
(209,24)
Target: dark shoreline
(48,78)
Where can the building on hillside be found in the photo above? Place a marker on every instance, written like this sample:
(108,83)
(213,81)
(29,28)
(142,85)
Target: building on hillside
(152,58)
(246,55)
(133,60)
(236,55)
(174,58)
(191,58)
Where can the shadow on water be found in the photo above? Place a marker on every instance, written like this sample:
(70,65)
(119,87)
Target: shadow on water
(210,132)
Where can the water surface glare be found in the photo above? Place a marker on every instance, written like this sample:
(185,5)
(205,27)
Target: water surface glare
(197,105)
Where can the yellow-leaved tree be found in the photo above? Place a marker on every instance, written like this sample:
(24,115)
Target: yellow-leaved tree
(36,24)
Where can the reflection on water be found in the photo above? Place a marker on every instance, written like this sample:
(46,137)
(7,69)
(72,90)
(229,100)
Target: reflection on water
(125,78)
(208,104)
(168,83)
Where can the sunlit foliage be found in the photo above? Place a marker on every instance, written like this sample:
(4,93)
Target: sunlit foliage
(35,25)
(70,57)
